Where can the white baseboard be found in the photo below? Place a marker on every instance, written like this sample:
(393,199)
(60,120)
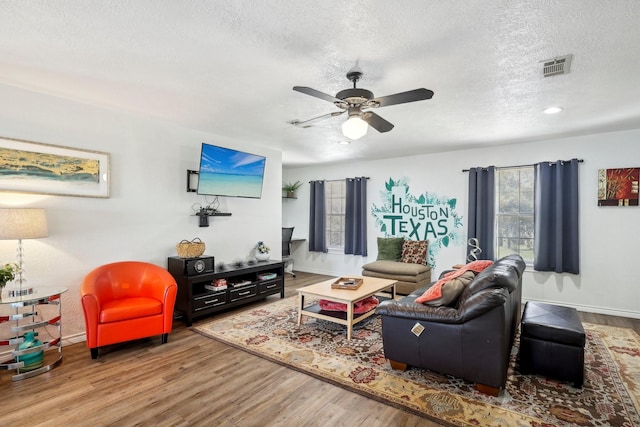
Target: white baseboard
(592,309)
(323,272)
(73,339)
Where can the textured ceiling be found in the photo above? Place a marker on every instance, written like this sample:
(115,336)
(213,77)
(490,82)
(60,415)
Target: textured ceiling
(228,67)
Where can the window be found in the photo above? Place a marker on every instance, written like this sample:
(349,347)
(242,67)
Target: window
(335,196)
(514,212)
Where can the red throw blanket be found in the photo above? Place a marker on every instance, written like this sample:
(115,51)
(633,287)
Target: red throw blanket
(360,307)
(435,291)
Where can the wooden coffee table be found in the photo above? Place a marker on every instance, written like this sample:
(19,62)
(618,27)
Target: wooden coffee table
(323,290)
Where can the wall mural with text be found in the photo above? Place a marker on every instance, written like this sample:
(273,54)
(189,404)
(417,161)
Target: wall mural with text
(425,216)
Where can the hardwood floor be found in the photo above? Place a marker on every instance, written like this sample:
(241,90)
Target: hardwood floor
(194,381)
(621,322)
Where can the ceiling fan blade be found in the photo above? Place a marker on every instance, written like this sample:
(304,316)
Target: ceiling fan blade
(376,122)
(404,97)
(316,93)
(310,122)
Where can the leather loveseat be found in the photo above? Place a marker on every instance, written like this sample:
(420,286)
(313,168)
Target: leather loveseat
(471,339)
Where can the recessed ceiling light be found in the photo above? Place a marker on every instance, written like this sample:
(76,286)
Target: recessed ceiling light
(552,110)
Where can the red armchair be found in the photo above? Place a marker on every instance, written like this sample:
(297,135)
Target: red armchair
(125,301)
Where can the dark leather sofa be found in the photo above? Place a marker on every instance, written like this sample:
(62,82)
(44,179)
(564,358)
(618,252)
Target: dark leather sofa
(471,340)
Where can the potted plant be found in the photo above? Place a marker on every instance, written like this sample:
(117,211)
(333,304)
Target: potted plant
(262,251)
(290,189)
(7,273)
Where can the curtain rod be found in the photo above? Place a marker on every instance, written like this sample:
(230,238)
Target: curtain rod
(522,166)
(365,177)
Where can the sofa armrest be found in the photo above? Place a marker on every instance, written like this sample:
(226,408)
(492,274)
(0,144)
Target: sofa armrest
(481,302)
(91,309)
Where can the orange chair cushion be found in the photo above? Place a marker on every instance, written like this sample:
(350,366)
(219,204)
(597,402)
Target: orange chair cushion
(129,308)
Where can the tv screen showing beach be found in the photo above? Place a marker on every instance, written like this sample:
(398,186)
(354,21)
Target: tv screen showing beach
(227,172)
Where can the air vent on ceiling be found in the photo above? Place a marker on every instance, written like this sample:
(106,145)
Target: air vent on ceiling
(555,66)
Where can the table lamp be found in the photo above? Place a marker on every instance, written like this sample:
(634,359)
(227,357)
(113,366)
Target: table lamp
(18,224)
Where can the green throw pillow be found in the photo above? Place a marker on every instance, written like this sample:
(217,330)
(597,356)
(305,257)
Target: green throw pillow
(390,248)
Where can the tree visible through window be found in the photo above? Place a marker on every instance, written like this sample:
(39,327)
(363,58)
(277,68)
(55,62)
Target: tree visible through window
(335,197)
(514,212)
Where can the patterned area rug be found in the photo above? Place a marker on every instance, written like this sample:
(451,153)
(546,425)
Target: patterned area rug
(610,397)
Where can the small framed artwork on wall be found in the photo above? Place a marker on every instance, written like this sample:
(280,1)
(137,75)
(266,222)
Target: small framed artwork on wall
(618,187)
(32,167)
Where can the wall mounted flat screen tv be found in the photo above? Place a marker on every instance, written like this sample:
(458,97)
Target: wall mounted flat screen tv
(227,172)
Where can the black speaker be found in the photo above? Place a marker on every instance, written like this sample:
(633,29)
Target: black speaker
(192,266)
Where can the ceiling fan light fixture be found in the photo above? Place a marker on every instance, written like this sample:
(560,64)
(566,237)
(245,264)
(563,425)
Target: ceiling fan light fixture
(354,128)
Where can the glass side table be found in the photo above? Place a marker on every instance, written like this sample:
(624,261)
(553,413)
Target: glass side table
(21,314)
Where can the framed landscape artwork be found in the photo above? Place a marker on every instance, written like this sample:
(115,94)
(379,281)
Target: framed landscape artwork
(31,167)
(618,187)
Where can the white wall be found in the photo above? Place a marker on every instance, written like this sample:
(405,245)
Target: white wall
(608,235)
(149,210)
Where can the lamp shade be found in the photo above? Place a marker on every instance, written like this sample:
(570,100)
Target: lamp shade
(23,223)
(354,127)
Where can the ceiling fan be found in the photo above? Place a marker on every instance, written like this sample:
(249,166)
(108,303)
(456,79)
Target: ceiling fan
(356,102)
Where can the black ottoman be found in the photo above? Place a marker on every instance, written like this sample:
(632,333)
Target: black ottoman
(552,342)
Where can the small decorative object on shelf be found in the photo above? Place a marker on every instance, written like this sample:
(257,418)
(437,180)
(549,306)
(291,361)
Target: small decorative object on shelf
(32,360)
(262,251)
(290,189)
(190,249)
(14,293)
(251,262)
(7,273)
(238,263)
(241,283)
(474,249)
(221,266)
(217,285)
(347,283)
(262,257)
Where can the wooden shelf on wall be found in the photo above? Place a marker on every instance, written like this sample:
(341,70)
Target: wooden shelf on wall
(216,214)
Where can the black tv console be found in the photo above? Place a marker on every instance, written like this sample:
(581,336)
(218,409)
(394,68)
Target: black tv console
(244,284)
